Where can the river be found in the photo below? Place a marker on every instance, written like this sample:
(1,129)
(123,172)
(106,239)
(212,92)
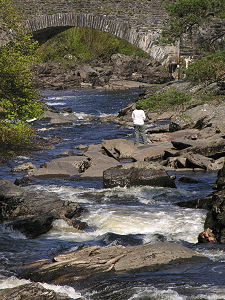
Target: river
(148,214)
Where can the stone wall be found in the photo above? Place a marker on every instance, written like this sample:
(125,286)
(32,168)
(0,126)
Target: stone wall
(138,22)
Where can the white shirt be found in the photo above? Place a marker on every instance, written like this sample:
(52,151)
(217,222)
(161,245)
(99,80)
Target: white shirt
(138,117)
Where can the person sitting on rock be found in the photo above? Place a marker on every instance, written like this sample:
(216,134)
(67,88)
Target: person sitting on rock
(139,117)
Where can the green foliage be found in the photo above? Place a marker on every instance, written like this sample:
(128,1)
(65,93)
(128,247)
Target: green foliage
(184,14)
(86,44)
(162,101)
(208,69)
(18,98)
(14,137)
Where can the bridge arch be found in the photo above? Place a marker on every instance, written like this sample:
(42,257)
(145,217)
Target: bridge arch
(45,26)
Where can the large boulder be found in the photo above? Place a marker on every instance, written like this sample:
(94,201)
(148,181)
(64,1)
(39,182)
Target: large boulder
(33,213)
(220,181)
(214,227)
(34,291)
(95,263)
(135,174)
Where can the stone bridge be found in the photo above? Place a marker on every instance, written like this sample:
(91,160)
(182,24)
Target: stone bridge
(138,22)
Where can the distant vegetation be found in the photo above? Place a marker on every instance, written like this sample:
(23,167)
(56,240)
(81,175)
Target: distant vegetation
(208,69)
(18,98)
(85,45)
(163,101)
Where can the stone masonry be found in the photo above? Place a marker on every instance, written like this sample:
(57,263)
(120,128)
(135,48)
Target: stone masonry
(138,22)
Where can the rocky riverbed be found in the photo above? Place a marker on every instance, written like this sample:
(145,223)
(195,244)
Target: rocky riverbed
(193,142)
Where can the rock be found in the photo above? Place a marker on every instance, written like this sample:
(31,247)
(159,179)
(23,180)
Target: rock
(67,153)
(34,226)
(192,161)
(152,152)
(135,174)
(24,167)
(206,236)
(181,144)
(188,180)
(119,148)
(212,148)
(33,213)
(215,219)
(99,162)
(58,119)
(111,239)
(174,127)
(61,168)
(220,181)
(89,265)
(34,291)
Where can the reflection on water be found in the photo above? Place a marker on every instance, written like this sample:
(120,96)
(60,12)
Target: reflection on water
(145,214)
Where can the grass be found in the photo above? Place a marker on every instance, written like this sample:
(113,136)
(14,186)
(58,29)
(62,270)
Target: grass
(86,45)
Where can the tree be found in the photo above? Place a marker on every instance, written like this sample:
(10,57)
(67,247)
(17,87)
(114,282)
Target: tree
(187,15)
(18,97)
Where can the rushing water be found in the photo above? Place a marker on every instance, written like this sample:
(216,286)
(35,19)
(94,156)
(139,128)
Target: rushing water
(144,214)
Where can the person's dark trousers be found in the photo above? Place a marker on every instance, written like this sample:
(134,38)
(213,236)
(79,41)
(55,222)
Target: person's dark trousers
(139,131)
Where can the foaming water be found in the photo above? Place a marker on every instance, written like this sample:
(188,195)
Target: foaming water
(147,213)
(130,211)
(11,282)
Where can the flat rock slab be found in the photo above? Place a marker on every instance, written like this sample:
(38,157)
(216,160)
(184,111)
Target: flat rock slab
(32,291)
(92,262)
(60,168)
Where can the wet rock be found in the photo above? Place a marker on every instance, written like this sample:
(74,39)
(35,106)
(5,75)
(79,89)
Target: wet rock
(67,153)
(89,265)
(188,180)
(206,236)
(111,239)
(34,226)
(24,167)
(34,291)
(220,181)
(58,119)
(135,174)
(24,180)
(33,213)
(215,219)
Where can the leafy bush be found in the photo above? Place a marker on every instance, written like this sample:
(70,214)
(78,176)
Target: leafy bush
(163,101)
(208,69)
(13,137)
(85,44)
(18,98)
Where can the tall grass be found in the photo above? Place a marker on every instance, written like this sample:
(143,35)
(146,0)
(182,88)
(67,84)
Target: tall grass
(86,44)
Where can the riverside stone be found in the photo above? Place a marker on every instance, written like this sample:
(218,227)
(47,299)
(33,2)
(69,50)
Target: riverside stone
(134,174)
(34,291)
(215,204)
(86,266)
(33,213)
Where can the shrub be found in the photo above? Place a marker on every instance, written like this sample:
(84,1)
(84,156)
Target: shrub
(18,98)
(208,69)
(163,101)
(14,136)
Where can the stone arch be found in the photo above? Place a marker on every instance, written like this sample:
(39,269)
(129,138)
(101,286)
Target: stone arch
(45,26)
